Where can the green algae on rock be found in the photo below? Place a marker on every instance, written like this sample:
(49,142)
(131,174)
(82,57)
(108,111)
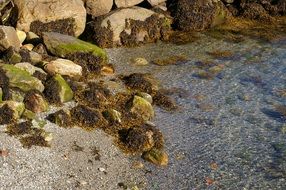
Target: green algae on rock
(156,156)
(142,108)
(21,79)
(86,54)
(57,90)
(10,112)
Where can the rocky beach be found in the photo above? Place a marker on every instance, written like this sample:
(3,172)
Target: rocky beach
(143,94)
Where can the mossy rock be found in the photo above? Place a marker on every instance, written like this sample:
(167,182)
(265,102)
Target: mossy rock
(64,45)
(58,91)
(10,112)
(21,79)
(156,156)
(142,108)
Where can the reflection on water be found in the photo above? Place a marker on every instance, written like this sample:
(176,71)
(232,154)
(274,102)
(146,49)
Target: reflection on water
(232,115)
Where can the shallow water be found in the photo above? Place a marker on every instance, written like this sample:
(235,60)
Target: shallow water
(227,133)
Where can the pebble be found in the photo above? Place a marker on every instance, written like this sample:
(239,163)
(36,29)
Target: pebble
(101,169)
(139,61)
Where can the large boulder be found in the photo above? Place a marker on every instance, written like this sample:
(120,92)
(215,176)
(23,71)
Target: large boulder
(8,38)
(99,7)
(89,56)
(127,3)
(129,27)
(64,16)
(198,14)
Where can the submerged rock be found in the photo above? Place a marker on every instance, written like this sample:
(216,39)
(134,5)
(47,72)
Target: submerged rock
(8,38)
(129,27)
(89,56)
(10,112)
(20,78)
(142,108)
(57,90)
(65,16)
(156,156)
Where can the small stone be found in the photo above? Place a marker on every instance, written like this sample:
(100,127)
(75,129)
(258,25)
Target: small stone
(29,47)
(140,61)
(107,70)
(112,115)
(156,156)
(21,35)
(101,169)
(142,108)
(35,102)
(35,57)
(64,67)
(137,165)
(28,114)
(146,96)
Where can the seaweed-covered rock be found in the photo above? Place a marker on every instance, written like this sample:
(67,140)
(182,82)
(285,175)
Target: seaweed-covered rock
(10,111)
(99,7)
(65,16)
(86,117)
(19,78)
(62,118)
(127,3)
(142,82)
(64,67)
(198,14)
(156,156)
(112,116)
(57,90)
(35,102)
(8,38)
(142,108)
(88,55)
(129,27)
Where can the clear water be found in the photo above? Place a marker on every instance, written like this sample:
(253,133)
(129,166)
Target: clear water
(227,134)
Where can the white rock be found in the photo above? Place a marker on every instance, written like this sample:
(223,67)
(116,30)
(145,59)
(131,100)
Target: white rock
(50,10)
(155,2)
(21,35)
(8,38)
(63,67)
(127,3)
(98,7)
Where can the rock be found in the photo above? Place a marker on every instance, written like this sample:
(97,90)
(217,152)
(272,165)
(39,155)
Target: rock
(89,56)
(62,118)
(139,139)
(29,47)
(129,27)
(35,57)
(142,82)
(64,67)
(21,35)
(8,38)
(40,49)
(255,11)
(142,108)
(146,96)
(48,16)
(33,38)
(99,7)
(10,111)
(21,79)
(27,67)
(12,56)
(57,90)
(35,102)
(208,14)
(139,61)
(29,114)
(156,156)
(84,116)
(127,3)
(15,95)
(155,2)
(112,115)
(1,95)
